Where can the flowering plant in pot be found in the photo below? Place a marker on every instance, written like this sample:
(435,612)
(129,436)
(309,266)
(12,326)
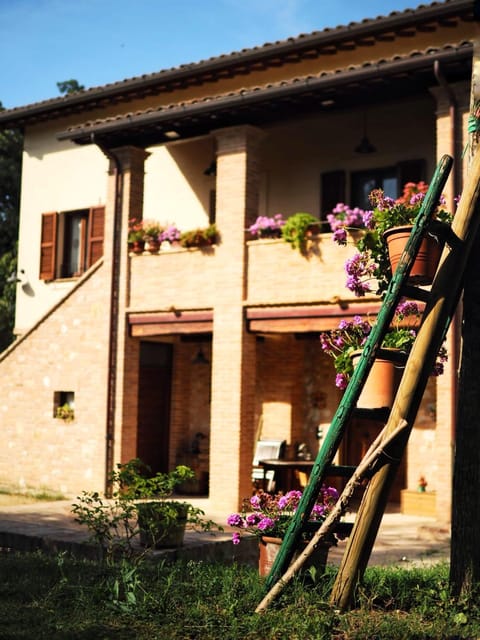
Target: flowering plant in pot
(268,517)
(135,231)
(267,227)
(372,262)
(170,234)
(350,337)
(265,514)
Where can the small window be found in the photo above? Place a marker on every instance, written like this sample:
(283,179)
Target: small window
(64,405)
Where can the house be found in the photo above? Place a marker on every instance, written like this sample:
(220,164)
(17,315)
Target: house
(152,350)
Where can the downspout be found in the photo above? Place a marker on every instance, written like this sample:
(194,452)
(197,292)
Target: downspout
(114,306)
(455,328)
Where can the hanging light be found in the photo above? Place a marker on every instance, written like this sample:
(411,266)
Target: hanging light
(200,358)
(365,146)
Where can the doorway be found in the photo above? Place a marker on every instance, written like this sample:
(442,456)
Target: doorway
(154,392)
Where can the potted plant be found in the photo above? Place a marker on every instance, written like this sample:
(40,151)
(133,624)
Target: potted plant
(170,235)
(345,343)
(298,229)
(375,262)
(141,506)
(202,237)
(152,230)
(161,520)
(268,517)
(136,236)
(65,412)
(267,227)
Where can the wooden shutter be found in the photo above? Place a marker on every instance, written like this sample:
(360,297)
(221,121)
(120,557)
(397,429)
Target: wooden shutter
(333,191)
(96,223)
(48,246)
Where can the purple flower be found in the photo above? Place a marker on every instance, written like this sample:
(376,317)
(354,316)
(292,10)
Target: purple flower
(235,520)
(340,236)
(266,523)
(341,381)
(255,502)
(236,537)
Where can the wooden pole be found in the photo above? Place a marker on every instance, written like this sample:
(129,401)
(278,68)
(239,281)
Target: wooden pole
(345,409)
(444,296)
(375,451)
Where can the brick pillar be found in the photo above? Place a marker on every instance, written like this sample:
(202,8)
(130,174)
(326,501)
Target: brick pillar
(233,349)
(122,408)
(450,139)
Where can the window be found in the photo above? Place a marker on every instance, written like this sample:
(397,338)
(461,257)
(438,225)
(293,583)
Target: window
(363,182)
(390,179)
(64,405)
(71,242)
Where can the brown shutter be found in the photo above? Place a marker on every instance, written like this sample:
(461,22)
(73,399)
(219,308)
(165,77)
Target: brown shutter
(48,246)
(333,191)
(95,235)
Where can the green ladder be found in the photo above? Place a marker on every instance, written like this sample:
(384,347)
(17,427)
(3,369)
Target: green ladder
(398,288)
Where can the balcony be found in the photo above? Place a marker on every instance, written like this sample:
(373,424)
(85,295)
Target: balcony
(276,274)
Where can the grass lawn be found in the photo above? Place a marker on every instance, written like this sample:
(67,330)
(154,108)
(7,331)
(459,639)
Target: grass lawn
(59,598)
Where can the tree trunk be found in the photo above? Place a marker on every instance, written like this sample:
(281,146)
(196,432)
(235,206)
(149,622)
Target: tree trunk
(465,550)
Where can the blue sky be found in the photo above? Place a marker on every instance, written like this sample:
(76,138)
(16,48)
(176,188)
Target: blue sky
(96,42)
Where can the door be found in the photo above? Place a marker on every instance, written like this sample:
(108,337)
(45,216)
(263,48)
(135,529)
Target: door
(154,389)
(359,436)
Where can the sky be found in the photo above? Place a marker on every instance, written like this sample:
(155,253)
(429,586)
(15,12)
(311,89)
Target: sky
(96,42)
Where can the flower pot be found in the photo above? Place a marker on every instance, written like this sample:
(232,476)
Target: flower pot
(153,246)
(381,385)
(269,548)
(138,246)
(427,259)
(158,530)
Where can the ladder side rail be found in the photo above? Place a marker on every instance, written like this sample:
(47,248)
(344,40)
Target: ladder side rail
(445,294)
(345,409)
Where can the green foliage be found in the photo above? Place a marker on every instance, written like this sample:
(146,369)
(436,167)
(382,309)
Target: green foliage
(58,597)
(66,87)
(139,505)
(65,412)
(295,231)
(199,237)
(11,143)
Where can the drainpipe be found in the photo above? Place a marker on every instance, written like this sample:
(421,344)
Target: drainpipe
(114,306)
(455,329)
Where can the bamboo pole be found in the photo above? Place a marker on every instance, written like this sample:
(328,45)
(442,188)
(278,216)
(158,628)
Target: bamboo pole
(444,296)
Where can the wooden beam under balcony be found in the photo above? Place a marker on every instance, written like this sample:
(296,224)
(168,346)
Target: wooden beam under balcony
(304,319)
(170,323)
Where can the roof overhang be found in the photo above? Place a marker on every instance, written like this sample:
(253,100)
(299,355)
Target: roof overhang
(380,81)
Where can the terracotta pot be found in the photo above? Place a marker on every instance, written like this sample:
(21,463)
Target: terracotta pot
(153,246)
(381,385)
(427,259)
(138,246)
(269,548)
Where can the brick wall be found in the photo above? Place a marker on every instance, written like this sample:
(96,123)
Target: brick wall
(64,352)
